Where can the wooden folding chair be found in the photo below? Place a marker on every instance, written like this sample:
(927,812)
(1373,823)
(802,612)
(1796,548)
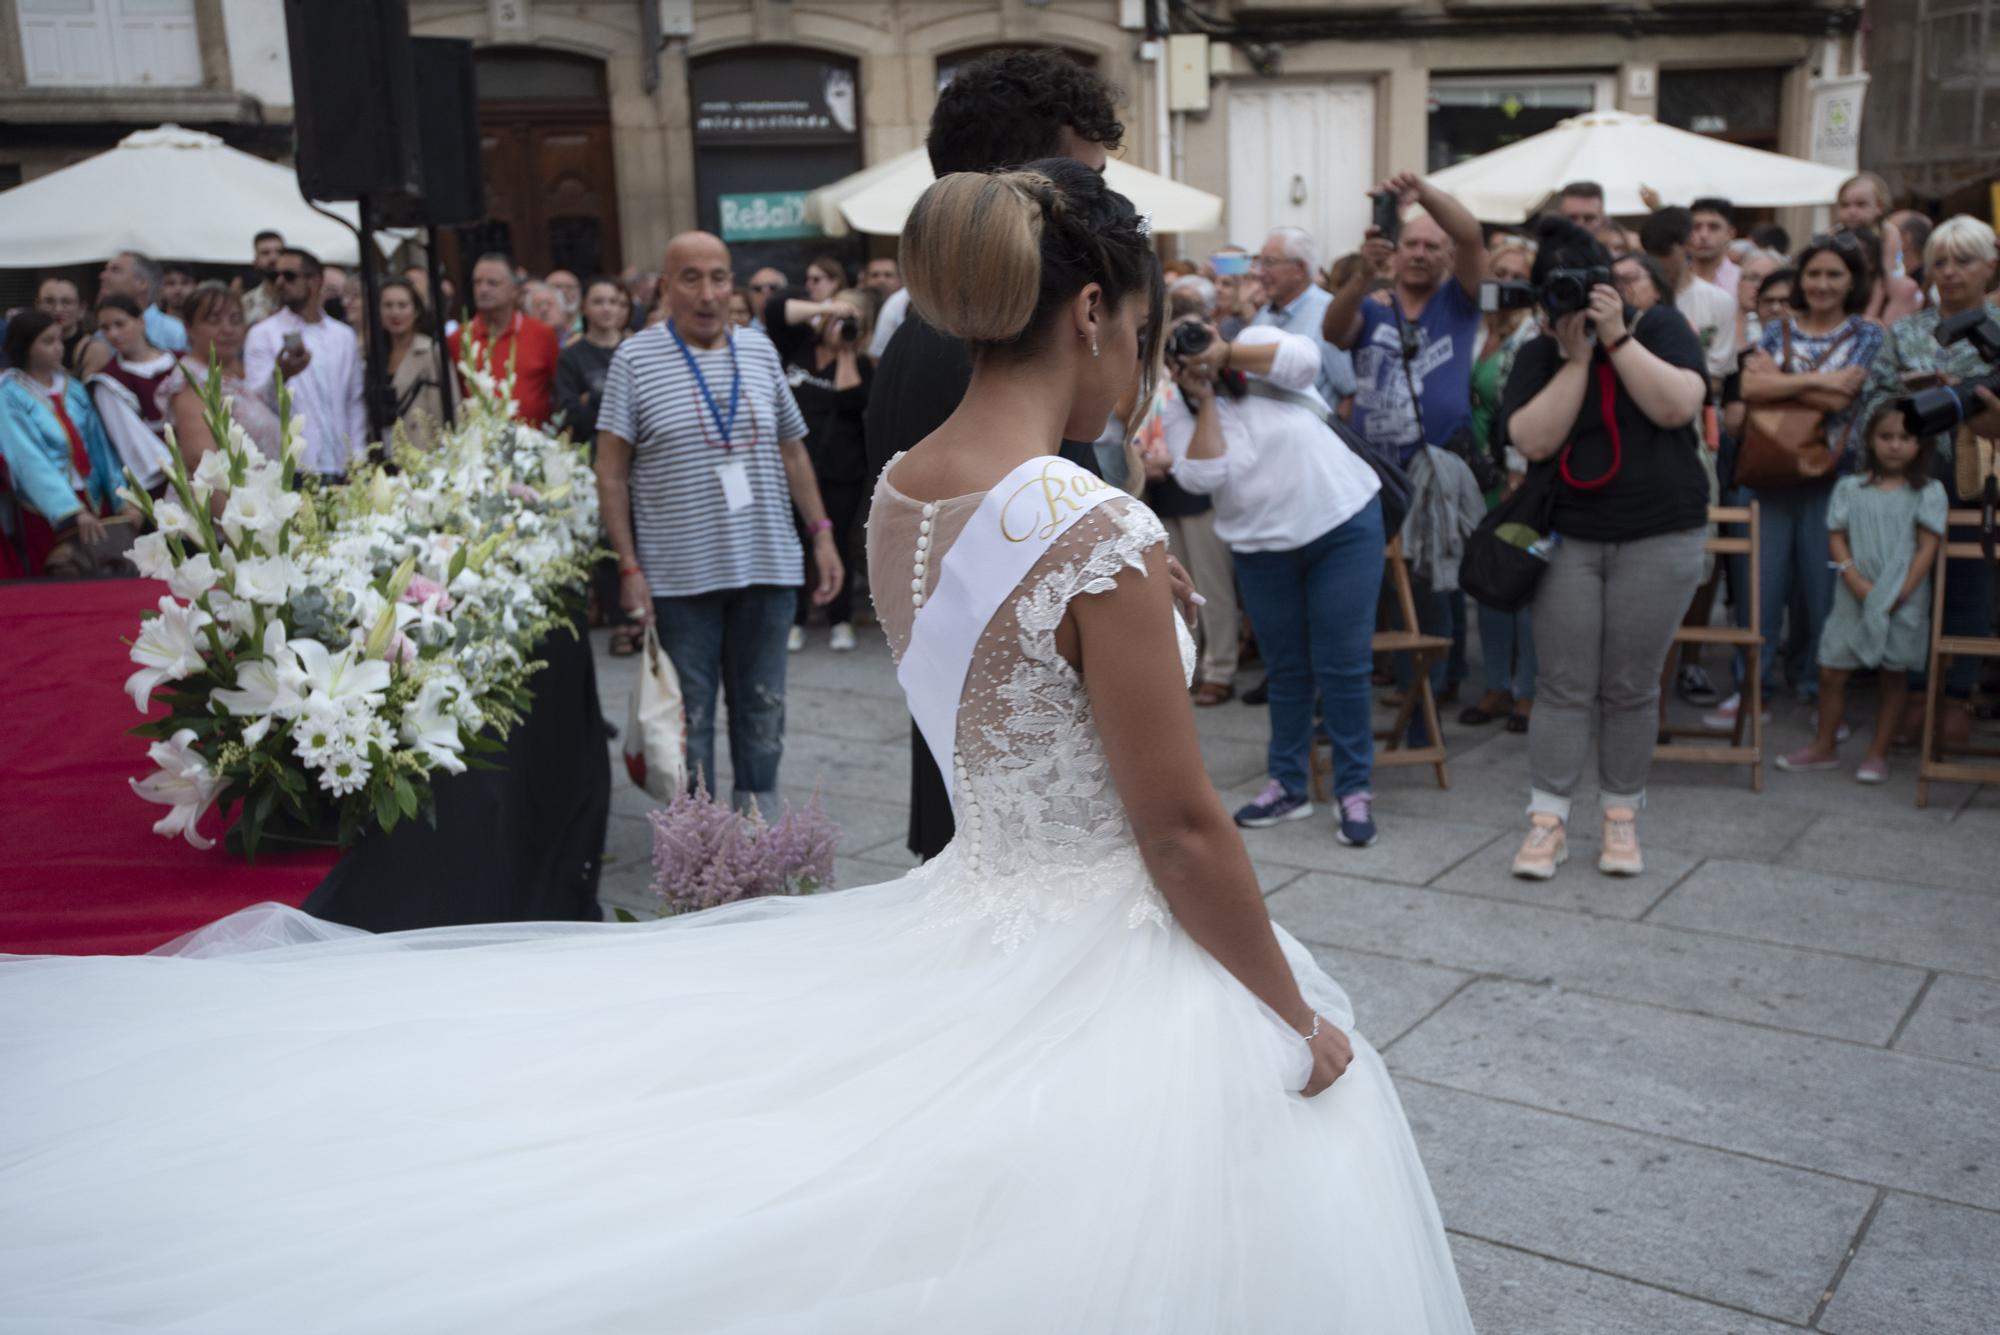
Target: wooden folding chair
(1423,650)
(1934,765)
(1750,639)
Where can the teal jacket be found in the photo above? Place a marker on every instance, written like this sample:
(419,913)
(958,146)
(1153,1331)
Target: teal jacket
(36,449)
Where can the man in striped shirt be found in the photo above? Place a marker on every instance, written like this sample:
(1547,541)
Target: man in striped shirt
(700,458)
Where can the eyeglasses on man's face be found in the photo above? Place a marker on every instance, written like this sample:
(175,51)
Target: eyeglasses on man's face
(765,287)
(287,275)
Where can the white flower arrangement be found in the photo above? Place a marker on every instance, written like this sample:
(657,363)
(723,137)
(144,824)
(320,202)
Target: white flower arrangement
(324,651)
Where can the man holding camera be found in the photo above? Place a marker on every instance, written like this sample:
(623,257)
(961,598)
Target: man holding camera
(1413,358)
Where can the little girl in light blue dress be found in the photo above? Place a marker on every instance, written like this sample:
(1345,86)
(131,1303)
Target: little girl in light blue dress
(1885,523)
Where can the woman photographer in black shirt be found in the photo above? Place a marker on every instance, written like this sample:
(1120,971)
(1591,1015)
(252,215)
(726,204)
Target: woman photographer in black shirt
(824,347)
(1609,401)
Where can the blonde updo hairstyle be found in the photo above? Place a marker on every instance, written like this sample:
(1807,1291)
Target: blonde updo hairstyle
(995,258)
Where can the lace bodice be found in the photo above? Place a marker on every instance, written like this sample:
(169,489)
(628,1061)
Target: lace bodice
(1040,826)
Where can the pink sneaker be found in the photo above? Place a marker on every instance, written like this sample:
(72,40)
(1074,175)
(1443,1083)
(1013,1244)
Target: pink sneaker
(1723,716)
(1545,849)
(1805,760)
(1619,855)
(1872,771)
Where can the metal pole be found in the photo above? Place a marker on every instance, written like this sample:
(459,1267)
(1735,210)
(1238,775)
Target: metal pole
(438,319)
(375,383)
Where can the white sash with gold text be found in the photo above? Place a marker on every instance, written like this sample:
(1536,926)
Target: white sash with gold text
(1018,521)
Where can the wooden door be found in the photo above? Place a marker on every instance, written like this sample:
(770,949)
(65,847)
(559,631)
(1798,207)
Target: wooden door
(1301,155)
(551,190)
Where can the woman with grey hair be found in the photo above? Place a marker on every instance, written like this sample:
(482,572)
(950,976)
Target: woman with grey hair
(1961,260)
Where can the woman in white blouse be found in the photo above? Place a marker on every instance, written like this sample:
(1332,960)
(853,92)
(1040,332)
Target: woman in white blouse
(1301,513)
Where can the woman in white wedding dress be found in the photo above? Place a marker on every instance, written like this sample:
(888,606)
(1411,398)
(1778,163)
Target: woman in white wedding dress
(1065,1078)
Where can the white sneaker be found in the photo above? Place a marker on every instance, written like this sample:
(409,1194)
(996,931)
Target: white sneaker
(841,641)
(1724,715)
(795,640)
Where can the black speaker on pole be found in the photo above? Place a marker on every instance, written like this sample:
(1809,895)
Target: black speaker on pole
(354,102)
(454,177)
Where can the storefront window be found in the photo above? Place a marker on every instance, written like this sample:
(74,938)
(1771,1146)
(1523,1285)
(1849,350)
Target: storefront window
(1738,105)
(1471,115)
(770,126)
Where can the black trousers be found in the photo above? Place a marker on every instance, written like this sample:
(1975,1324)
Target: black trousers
(843,502)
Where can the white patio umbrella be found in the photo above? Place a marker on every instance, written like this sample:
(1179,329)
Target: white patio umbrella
(878,199)
(170,193)
(1621,152)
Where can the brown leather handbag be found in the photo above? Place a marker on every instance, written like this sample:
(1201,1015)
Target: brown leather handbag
(1785,443)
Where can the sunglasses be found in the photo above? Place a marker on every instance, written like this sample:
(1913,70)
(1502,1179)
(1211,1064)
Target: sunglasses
(286,275)
(1844,241)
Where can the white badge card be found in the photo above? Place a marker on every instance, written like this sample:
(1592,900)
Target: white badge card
(735,477)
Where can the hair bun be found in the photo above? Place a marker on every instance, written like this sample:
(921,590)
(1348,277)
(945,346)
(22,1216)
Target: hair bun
(972,252)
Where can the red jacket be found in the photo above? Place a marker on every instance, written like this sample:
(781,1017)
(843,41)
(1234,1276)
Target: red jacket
(532,347)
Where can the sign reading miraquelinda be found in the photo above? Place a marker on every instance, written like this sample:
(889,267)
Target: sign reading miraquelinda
(772,216)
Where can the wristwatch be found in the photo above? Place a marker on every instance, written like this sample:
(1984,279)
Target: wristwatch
(1839,567)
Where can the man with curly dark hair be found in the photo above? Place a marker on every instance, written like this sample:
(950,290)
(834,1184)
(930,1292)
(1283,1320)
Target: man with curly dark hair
(1011,107)
(999,110)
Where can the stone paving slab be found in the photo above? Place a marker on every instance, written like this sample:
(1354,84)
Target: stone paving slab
(1513,1292)
(1958,1020)
(1925,1268)
(1913,924)
(1883,1117)
(1939,856)
(1801,990)
(1579,887)
(1712,1225)
(1390,996)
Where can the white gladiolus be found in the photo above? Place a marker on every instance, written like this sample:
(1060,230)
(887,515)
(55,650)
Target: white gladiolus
(268,579)
(193,577)
(152,556)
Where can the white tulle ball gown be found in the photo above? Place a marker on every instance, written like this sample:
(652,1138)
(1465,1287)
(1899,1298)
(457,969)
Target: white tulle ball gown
(1006,1095)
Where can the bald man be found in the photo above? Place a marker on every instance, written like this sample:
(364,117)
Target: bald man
(701,458)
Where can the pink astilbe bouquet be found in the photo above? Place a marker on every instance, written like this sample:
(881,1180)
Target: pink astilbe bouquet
(705,853)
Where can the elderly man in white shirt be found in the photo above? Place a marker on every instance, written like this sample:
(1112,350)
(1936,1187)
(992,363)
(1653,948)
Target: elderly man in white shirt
(1301,512)
(321,363)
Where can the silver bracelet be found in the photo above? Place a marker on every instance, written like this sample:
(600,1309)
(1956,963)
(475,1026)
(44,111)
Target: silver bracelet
(1315,1033)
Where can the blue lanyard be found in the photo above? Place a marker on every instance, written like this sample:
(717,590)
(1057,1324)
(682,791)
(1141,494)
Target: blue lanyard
(726,425)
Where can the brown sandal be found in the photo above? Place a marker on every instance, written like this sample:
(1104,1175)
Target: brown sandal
(1213,693)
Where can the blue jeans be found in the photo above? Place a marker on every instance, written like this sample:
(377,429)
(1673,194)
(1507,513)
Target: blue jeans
(1794,553)
(1507,647)
(734,639)
(1314,610)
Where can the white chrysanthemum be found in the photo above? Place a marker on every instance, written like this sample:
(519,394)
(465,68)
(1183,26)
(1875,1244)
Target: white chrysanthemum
(343,772)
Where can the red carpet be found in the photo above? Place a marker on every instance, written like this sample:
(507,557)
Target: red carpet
(81,871)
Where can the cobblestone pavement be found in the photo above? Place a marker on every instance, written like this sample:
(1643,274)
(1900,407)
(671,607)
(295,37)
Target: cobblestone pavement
(1756,1089)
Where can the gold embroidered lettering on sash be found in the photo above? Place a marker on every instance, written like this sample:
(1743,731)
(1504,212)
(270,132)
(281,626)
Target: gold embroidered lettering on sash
(1048,490)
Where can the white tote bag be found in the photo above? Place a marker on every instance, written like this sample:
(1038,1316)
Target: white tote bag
(656,725)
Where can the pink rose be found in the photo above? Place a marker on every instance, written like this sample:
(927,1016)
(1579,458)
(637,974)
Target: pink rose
(421,589)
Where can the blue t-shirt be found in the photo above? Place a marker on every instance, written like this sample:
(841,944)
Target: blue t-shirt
(165,331)
(1447,332)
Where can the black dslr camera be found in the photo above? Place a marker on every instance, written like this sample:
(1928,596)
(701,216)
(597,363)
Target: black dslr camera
(1944,407)
(1189,339)
(1567,291)
(1496,296)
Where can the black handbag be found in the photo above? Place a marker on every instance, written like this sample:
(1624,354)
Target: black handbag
(1506,554)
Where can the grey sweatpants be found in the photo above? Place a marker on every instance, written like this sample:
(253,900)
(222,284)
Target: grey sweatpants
(1605,615)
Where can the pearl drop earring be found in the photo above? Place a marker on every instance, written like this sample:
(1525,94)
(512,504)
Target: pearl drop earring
(1093,345)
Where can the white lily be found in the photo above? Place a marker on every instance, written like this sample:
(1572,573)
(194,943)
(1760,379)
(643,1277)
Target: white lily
(430,726)
(193,577)
(184,782)
(339,677)
(167,649)
(267,688)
